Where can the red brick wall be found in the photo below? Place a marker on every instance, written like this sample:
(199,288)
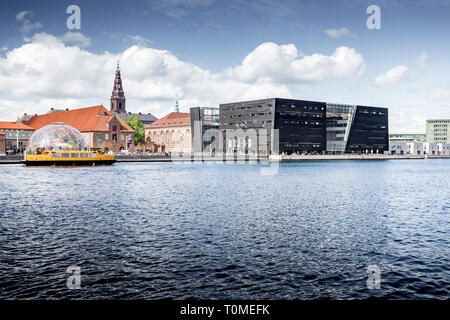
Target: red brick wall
(2,144)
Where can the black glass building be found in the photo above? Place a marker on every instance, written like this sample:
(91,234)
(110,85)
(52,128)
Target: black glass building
(303,127)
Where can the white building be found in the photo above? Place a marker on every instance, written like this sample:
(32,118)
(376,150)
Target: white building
(444,149)
(431,148)
(415,148)
(398,147)
(438,131)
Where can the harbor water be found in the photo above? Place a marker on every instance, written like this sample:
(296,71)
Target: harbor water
(308,230)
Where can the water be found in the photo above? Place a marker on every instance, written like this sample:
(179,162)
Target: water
(166,230)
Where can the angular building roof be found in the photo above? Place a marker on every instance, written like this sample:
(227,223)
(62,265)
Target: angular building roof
(14,126)
(87,119)
(173,119)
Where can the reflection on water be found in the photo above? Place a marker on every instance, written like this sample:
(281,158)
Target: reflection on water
(158,230)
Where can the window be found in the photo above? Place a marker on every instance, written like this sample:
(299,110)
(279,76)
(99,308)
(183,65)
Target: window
(55,155)
(106,136)
(122,136)
(114,137)
(92,155)
(83,155)
(75,155)
(99,139)
(65,155)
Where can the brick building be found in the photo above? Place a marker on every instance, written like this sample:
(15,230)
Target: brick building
(102,129)
(171,133)
(2,143)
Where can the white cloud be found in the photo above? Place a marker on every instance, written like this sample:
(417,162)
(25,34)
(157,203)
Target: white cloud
(440,94)
(422,59)
(55,73)
(337,33)
(11,109)
(27,26)
(76,38)
(139,40)
(285,64)
(393,75)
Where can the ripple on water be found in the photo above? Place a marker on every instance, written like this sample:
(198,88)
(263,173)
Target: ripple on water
(163,230)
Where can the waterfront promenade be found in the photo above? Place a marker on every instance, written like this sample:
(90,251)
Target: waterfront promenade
(279,158)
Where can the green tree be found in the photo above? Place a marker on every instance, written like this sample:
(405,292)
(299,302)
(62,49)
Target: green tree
(135,123)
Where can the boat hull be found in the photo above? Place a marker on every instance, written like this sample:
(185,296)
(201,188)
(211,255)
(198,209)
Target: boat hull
(68,162)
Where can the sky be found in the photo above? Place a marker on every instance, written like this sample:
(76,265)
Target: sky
(207,52)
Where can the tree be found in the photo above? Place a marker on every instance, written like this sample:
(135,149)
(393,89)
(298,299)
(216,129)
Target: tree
(135,123)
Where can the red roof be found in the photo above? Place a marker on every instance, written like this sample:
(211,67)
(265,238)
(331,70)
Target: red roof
(14,126)
(173,119)
(2,133)
(84,119)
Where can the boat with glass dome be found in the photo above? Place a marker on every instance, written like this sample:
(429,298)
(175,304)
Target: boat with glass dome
(60,144)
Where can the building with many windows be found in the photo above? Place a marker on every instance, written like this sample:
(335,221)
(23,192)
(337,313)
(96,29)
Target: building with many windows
(247,127)
(17,135)
(171,133)
(357,129)
(438,131)
(303,127)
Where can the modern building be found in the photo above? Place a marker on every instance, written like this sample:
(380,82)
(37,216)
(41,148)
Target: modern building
(17,135)
(438,131)
(408,137)
(303,127)
(118,103)
(357,129)
(2,143)
(171,133)
(205,130)
(102,129)
(247,127)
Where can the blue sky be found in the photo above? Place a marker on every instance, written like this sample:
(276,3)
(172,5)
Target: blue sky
(189,49)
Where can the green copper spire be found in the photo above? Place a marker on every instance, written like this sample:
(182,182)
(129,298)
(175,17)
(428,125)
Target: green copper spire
(177,107)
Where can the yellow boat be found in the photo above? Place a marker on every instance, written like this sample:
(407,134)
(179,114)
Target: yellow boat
(68,158)
(63,145)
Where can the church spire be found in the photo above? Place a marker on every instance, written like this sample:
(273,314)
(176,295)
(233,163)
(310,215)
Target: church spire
(177,107)
(118,96)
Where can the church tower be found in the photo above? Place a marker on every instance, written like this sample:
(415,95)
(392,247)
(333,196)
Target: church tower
(118,96)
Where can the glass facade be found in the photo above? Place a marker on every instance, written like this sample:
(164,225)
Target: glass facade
(339,122)
(205,129)
(304,127)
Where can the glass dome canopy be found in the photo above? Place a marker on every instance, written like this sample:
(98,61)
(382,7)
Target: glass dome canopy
(56,137)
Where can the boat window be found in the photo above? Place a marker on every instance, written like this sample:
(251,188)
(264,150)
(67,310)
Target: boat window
(83,155)
(65,155)
(55,155)
(92,155)
(75,155)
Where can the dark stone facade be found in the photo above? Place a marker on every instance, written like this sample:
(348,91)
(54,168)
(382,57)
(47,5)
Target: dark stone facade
(301,124)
